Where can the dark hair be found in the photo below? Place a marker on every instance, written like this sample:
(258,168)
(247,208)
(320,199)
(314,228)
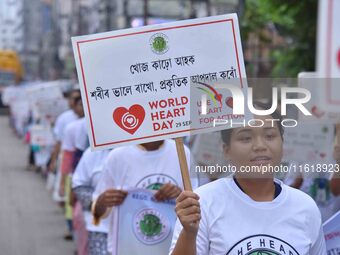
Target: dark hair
(226,134)
(74,91)
(77,99)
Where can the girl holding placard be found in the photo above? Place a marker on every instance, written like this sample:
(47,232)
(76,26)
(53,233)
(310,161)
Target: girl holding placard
(250,213)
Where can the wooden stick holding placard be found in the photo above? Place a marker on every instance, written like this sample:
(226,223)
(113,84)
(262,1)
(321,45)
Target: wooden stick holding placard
(337,133)
(335,181)
(183,164)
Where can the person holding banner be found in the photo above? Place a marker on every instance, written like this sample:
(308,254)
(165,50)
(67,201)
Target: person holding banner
(250,213)
(70,153)
(68,144)
(73,211)
(54,166)
(152,166)
(60,125)
(84,181)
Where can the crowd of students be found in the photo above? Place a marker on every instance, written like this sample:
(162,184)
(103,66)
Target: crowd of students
(242,214)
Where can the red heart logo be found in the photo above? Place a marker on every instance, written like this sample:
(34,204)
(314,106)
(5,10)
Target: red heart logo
(229,101)
(129,120)
(316,112)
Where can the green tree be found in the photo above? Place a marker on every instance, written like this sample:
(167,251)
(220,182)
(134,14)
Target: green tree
(295,21)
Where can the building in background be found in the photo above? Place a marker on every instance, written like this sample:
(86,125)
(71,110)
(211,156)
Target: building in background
(41,30)
(130,12)
(11,25)
(32,38)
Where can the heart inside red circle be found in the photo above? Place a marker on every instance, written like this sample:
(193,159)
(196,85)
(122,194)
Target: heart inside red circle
(129,119)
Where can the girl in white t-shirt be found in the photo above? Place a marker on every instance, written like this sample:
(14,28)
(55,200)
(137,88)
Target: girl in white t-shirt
(251,213)
(84,181)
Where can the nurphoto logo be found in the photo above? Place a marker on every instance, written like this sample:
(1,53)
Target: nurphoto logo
(238,105)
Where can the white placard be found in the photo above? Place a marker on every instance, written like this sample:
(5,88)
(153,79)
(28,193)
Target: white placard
(42,156)
(13,94)
(7,94)
(20,112)
(136,83)
(309,143)
(49,110)
(208,149)
(331,229)
(44,91)
(145,226)
(312,82)
(41,135)
(328,53)
(47,101)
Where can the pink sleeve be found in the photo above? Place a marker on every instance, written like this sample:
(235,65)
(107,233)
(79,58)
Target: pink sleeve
(67,162)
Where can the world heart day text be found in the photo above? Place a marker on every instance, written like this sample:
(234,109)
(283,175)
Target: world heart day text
(164,112)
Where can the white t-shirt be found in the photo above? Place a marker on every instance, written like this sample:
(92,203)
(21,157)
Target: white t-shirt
(131,166)
(62,121)
(70,135)
(82,139)
(88,173)
(234,224)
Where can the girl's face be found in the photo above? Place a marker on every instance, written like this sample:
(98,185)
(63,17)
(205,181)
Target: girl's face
(251,146)
(73,96)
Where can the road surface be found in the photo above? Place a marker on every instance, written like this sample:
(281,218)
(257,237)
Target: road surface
(30,222)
